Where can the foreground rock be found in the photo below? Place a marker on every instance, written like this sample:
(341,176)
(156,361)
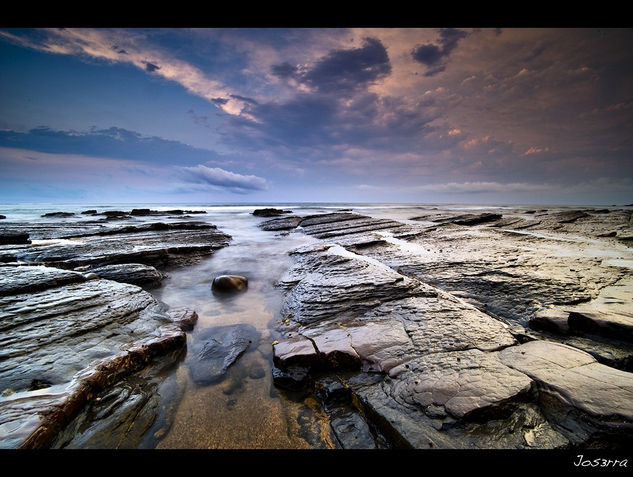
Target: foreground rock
(578,382)
(84,351)
(425,328)
(67,342)
(215,349)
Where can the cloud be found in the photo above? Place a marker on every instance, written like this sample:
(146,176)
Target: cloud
(432,55)
(151,67)
(350,68)
(117,46)
(284,70)
(214,177)
(482,187)
(108,143)
(535,150)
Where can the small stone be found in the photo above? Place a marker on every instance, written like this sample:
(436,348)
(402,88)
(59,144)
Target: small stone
(229,283)
(184,318)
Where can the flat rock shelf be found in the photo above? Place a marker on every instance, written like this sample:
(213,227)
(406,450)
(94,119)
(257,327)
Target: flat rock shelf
(453,330)
(423,327)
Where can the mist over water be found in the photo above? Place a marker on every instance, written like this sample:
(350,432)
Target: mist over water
(244,410)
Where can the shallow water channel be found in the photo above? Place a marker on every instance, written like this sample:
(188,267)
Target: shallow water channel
(244,410)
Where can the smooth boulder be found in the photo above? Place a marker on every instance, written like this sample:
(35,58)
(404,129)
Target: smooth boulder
(229,283)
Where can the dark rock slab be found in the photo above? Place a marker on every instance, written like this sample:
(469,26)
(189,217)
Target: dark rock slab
(339,282)
(14,237)
(293,378)
(463,384)
(270,212)
(339,224)
(320,219)
(567,217)
(351,430)
(146,212)
(59,214)
(282,223)
(296,351)
(457,400)
(215,349)
(133,273)
(612,325)
(552,320)
(471,219)
(130,414)
(333,344)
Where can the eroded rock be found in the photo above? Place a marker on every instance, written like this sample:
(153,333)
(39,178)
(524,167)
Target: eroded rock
(464,384)
(77,337)
(215,349)
(437,341)
(133,273)
(576,379)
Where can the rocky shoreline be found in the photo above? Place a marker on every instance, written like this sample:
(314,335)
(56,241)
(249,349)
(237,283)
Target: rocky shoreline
(83,345)
(464,331)
(443,330)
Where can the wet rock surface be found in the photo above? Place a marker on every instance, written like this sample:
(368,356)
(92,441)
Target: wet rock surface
(229,283)
(497,329)
(132,273)
(73,340)
(215,349)
(84,350)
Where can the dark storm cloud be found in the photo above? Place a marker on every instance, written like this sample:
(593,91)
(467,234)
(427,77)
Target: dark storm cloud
(303,120)
(432,55)
(428,54)
(449,37)
(350,68)
(337,100)
(284,70)
(108,143)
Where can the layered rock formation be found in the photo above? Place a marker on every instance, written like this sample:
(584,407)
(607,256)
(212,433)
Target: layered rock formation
(83,348)
(431,326)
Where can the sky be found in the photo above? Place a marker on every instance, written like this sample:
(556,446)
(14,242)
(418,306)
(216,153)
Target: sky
(273,115)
